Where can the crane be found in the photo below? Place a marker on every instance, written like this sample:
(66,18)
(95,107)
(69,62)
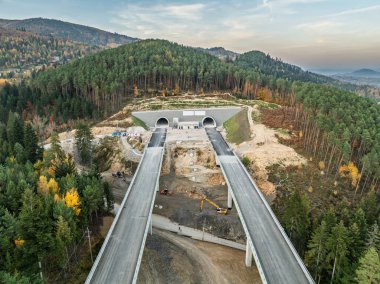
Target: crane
(219,209)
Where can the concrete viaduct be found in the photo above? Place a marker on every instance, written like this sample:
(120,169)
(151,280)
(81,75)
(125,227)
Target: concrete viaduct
(119,258)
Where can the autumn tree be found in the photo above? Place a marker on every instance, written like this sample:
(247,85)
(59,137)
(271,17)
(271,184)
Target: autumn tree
(72,200)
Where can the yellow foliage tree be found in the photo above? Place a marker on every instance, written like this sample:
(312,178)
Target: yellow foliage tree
(43,185)
(72,200)
(19,243)
(53,186)
(135,91)
(321,165)
(350,171)
(56,198)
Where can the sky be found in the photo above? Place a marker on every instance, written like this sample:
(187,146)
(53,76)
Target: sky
(314,34)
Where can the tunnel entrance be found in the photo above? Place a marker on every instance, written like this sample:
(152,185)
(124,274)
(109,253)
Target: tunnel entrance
(208,122)
(162,122)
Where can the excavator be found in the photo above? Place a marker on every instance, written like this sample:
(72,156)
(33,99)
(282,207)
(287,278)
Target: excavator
(219,209)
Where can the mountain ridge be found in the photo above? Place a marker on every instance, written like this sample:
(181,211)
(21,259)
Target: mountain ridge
(365,72)
(67,30)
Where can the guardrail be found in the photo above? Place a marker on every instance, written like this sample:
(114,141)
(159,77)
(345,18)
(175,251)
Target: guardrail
(148,224)
(242,219)
(106,241)
(279,226)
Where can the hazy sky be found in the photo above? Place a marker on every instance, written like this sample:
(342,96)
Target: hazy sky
(309,33)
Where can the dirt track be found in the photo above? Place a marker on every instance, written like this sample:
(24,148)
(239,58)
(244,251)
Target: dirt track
(169,258)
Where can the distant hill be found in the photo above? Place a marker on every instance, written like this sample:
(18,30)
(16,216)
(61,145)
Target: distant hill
(265,64)
(362,77)
(221,53)
(65,30)
(21,52)
(366,73)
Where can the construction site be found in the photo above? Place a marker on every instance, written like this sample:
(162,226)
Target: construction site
(197,237)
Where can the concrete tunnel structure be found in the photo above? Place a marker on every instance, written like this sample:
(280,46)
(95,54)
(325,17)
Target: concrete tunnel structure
(162,122)
(189,118)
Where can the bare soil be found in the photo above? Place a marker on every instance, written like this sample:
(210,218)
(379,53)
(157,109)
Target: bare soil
(264,150)
(170,258)
(189,173)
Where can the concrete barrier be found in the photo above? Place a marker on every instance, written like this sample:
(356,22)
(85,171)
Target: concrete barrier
(164,223)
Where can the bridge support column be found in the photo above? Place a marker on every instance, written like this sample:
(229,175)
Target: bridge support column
(248,256)
(151,225)
(229,199)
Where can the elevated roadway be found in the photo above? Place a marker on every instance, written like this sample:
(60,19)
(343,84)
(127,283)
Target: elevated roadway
(275,256)
(120,256)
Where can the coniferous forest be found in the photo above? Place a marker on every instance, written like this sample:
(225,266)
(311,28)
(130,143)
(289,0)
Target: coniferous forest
(45,203)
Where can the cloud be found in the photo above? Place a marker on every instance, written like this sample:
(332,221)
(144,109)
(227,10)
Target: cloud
(188,11)
(202,24)
(320,26)
(283,7)
(356,11)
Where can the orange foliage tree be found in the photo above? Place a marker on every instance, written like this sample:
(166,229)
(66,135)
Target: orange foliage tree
(350,171)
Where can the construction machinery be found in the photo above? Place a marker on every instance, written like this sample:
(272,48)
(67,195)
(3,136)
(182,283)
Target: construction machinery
(165,191)
(219,209)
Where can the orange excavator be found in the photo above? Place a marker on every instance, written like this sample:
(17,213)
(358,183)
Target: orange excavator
(219,209)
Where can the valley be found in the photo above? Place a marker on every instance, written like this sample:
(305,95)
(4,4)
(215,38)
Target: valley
(170,142)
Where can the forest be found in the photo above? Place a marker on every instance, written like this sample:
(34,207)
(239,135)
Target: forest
(338,129)
(45,204)
(337,233)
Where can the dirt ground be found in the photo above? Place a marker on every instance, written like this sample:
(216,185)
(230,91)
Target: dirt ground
(170,258)
(189,172)
(265,150)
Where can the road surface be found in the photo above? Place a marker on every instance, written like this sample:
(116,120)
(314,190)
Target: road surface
(119,259)
(278,260)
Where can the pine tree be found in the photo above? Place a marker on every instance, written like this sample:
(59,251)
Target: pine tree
(374,237)
(337,247)
(317,250)
(83,138)
(64,238)
(31,144)
(297,220)
(368,271)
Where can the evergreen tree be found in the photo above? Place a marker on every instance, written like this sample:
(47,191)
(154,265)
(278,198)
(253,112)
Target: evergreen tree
(83,139)
(317,250)
(297,220)
(31,148)
(337,250)
(374,237)
(368,271)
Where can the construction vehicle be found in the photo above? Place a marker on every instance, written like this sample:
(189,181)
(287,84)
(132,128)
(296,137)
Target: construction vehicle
(219,209)
(165,191)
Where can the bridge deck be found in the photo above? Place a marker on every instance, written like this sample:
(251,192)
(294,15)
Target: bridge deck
(277,258)
(120,256)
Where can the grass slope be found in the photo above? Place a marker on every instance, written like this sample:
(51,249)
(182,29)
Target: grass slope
(237,128)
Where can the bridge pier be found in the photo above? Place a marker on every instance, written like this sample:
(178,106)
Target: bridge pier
(151,225)
(229,199)
(248,255)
